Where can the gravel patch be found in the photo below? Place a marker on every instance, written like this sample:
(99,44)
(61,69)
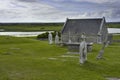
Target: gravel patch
(69,56)
(113,78)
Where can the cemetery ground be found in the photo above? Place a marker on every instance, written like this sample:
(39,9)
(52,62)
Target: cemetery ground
(31,59)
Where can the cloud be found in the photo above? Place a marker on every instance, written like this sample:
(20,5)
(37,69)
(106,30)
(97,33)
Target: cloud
(28,0)
(57,10)
(98,1)
(22,11)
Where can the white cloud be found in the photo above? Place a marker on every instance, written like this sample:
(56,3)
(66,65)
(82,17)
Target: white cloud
(21,11)
(98,1)
(37,11)
(4,4)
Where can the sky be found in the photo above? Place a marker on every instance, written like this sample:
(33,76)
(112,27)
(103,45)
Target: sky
(58,10)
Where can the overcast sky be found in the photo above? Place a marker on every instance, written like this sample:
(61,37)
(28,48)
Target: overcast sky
(57,10)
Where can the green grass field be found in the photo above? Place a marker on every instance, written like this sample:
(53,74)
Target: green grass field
(116,37)
(32,27)
(41,26)
(30,59)
(113,25)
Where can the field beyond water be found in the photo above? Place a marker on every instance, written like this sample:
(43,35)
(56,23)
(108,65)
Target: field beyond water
(24,27)
(30,59)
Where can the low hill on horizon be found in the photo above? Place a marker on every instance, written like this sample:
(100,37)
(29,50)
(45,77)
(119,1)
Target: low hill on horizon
(42,26)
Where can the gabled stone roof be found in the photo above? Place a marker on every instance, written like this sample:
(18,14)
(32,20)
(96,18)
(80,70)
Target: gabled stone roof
(78,26)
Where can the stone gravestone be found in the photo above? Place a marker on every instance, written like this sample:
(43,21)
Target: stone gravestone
(101,52)
(50,38)
(83,49)
(107,43)
(89,47)
(56,38)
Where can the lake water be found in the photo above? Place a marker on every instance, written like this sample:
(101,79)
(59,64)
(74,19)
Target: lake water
(23,34)
(28,34)
(113,30)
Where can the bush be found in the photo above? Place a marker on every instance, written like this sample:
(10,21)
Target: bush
(45,35)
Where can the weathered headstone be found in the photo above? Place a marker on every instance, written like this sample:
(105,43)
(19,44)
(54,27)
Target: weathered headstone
(69,41)
(50,38)
(89,47)
(107,43)
(56,38)
(101,52)
(83,49)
